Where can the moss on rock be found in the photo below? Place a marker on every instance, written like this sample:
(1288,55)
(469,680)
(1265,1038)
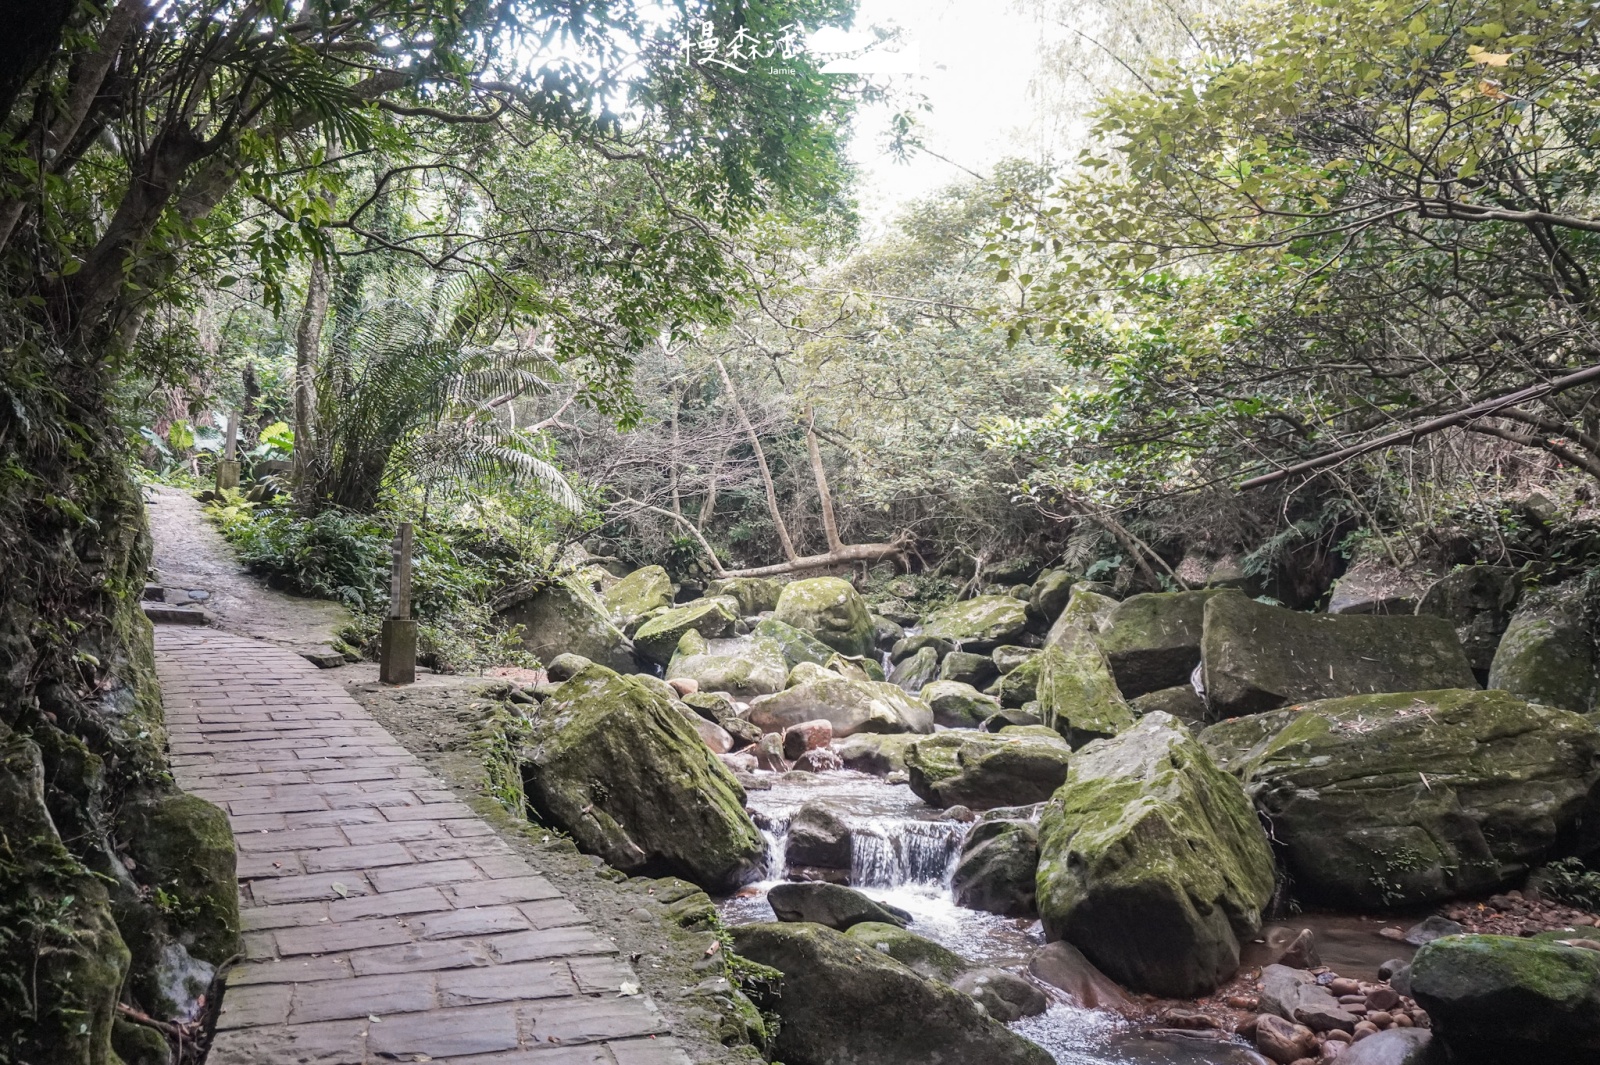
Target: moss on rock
(851,706)
(566,615)
(1547,654)
(1077,695)
(184,846)
(958,705)
(657,639)
(641,594)
(979,624)
(755,595)
(831,610)
(743,667)
(982,770)
(1153,640)
(795,645)
(922,956)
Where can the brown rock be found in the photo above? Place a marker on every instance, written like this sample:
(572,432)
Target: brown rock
(1402,1020)
(1331,1050)
(1380,1018)
(1301,953)
(1063,966)
(1383,998)
(1191,1020)
(1364,1029)
(1281,1041)
(819,760)
(1343,986)
(806,736)
(684,686)
(1337,1036)
(769,754)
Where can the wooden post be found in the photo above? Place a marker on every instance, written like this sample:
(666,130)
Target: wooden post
(228,465)
(397,649)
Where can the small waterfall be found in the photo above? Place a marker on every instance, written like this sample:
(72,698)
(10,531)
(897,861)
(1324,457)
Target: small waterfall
(776,832)
(888,854)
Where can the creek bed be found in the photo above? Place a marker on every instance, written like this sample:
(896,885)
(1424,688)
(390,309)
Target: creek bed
(902,853)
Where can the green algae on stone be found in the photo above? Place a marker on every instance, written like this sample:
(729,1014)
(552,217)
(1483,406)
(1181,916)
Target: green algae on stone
(982,770)
(1077,695)
(1019,685)
(797,646)
(1086,611)
(657,639)
(922,956)
(1153,640)
(851,706)
(619,768)
(744,667)
(958,705)
(1547,654)
(916,672)
(641,594)
(998,868)
(1152,861)
(566,615)
(831,610)
(184,846)
(755,595)
(979,624)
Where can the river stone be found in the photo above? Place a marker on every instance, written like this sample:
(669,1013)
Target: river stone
(743,667)
(997,869)
(1373,588)
(818,839)
(1260,657)
(922,956)
(1505,999)
(1019,685)
(832,905)
(981,770)
(1006,996)
(915,672)
(964,667)
(910,644)
(1153,640)
(840,1004)
(979,624)
(1478,601)
(877,753)
(1077,695)
(184,844)
(755,595)
(611,762)
(886,633)
(1181,701)
(796,646)
(657,639)
(1547,654)
(1397,1046)
(1086,611)
(1009,656)
(1152,861)
(1048,598)
(1381,801)
(639,595)
(1063,966)
(855,667)
(829,609)
(957,705)
(850,706)
(566,615)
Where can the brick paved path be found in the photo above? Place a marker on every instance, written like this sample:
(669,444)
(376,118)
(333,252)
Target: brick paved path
(383,921)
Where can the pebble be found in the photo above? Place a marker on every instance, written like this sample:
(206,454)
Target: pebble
(1364,1029)
(1380,1018)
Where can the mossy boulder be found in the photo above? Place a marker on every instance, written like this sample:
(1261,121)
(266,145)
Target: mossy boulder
(1547,654)
(979,624)
(755,595)
(1508,999)
(982,770)
(1019,684)
(657,639)
(856,667)
(567,615)
(914,673)
(1153,640)
(922,956)
(620,769)
(1402,799)
(1260,657)
(743,667)
(968,668)
(1372,587)
(1152,861)
(1077,695)
(796,646)
(1479,602)
(877,753)
(998,868)
(957,705)
(1086,611)
(843,1003)
(829,609)
(184,846)
(641,594)
(850,706)
(907,646)
(1181,701)
(1048,598)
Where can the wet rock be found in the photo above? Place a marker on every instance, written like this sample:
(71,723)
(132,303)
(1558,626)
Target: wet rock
(910,645)
(850,706)
(616,766)
(567,616)
(831,905)
(958,705)
(965,667)
(769,753)
(1503,999)
(997,868)
(829,609)
(1398,1046)
(1152,861)
(1063,966)
(1431,928)
(1181,701)
(842,1005)
(1152,641)
(1284,1041)
(979,624)
(818,838)
(657,639)
(806,736)
(915,672)
(886,633)
(922,956)
(1547,654)
(638,596)
(819,760)
(982,770)
(1018,686)
(1260,657)
(1005,996)
(876,753)
(1478,601)
(1301,953)
(744,667)
(1077,695)
(796,646)
(755,595)
(1381,801)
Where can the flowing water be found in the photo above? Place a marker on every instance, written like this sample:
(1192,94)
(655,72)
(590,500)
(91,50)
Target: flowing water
(903,853)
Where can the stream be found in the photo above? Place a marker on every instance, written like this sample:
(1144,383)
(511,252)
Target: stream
(902,853)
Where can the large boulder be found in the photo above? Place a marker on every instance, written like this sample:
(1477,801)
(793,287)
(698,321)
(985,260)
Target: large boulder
(1048,598)
(1372,587)
(657,639)
(840,1004)
(832,905)
(1077,695)
(1478,601)
(1018,685)
(967,668)
(1403,799)
(877,753)
(915,672)
(982,770)
(796,646)
(1180,700)
(998,868)
(979,624)
(1153,640)
(615,765)
(1152,861)
(831,610)
(1547,654)
(922,956)
(818,838)
(755,595)
(743,667)
(850,706)
(1508,999)
(641,594)
(958,705)
(567,615)
(1260,657)
(1086,611)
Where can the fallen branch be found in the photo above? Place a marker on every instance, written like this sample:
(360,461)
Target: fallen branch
(711,556)
(849,554)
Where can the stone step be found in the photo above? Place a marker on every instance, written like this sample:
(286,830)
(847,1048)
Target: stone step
(167,614)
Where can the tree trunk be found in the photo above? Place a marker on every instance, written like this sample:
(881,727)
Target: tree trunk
(708,506)
(761,460)
(849,554)
(672,457)
(830,527)
(307,344)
